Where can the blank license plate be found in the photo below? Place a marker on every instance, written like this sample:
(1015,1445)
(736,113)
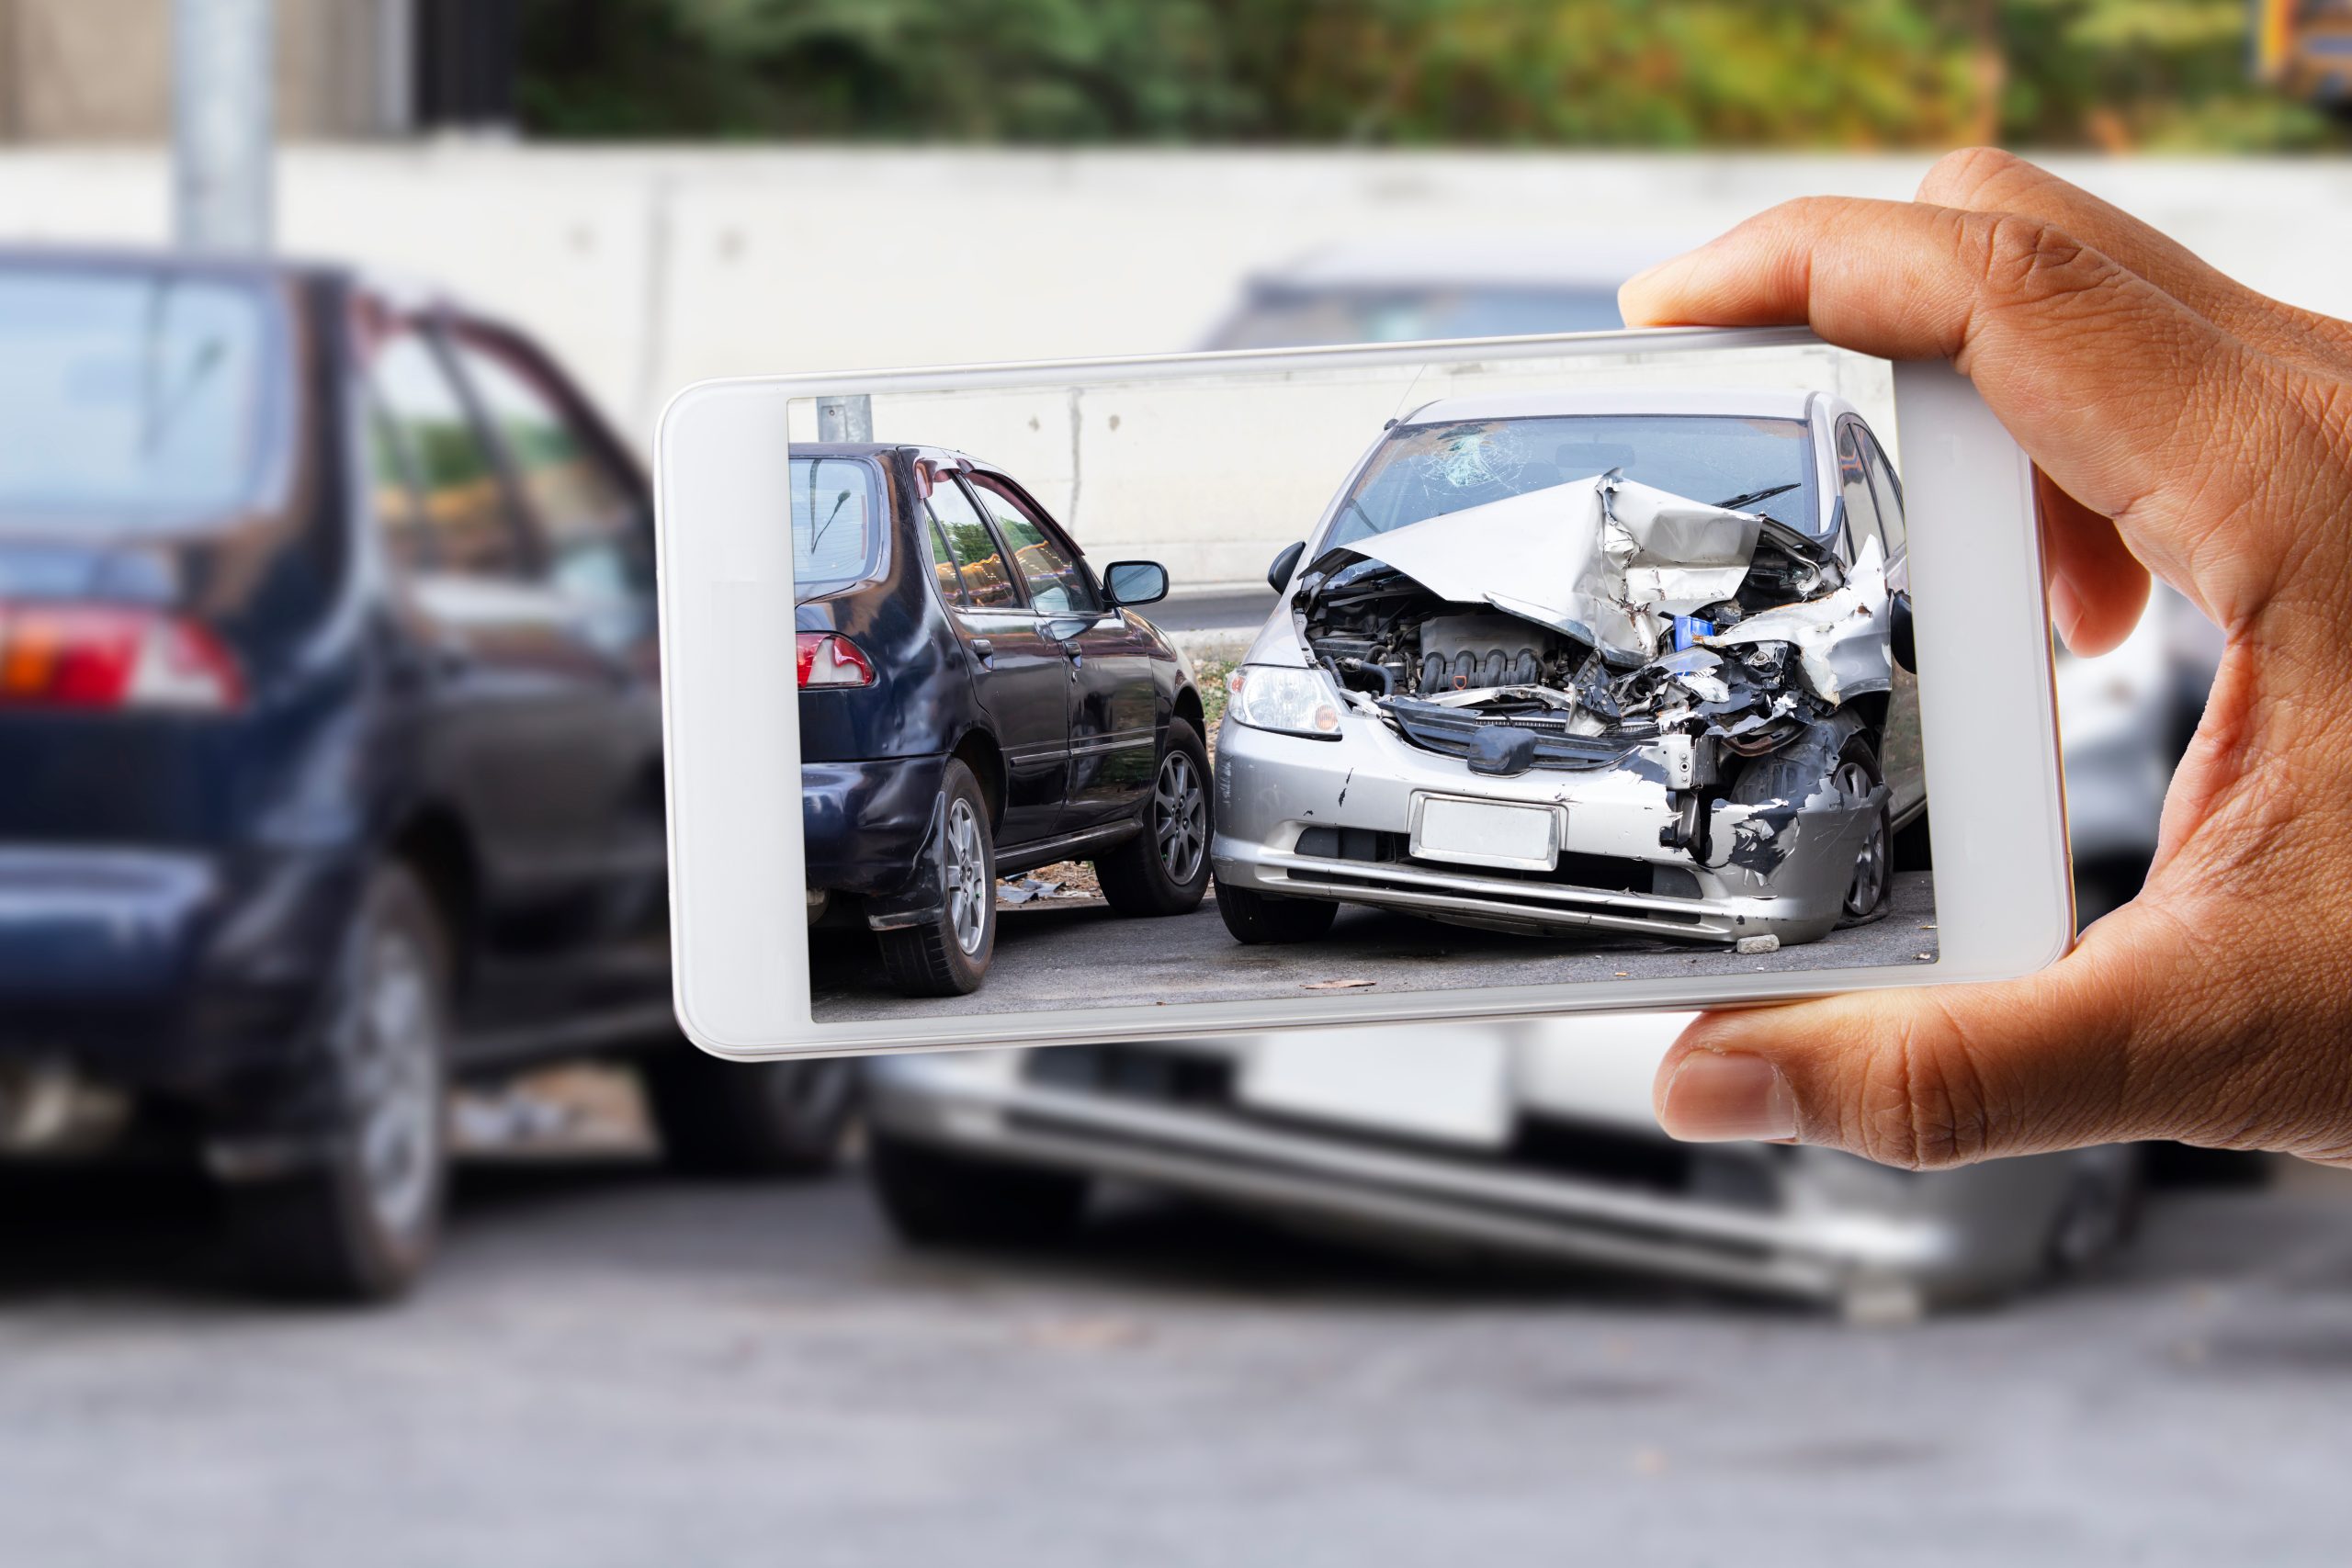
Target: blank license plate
(1487,833)
(1451,1085)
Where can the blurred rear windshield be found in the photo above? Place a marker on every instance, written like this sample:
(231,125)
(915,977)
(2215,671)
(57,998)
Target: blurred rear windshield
(836,512)
(136,400)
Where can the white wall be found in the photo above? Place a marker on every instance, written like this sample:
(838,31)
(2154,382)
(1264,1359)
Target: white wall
(647,269)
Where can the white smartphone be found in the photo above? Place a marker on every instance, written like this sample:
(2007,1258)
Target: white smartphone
(1120,699)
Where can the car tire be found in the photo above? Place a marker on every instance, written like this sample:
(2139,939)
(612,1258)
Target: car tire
(1253,917)
(932,1198)
(1164,870)
(749,1119)
(948,954)
(1872,885)
(361,1223)
(2098,1218)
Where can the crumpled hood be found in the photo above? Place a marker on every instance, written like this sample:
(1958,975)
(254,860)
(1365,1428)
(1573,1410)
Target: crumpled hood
(1606,559)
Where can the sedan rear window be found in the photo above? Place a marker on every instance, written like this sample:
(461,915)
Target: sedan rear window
(137,400)
(836,508)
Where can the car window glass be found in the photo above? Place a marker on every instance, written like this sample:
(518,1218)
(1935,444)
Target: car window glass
(1854,485)
(942,564)
(586,513)
(465,530)
(834,505)
(1890,499)
(979,561)
(392,490)
(1057,586)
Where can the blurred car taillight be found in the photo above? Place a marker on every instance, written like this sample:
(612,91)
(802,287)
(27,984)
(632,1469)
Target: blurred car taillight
(828,658)
(112,656)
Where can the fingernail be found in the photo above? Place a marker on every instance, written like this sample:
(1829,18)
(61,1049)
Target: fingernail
(1727,1097)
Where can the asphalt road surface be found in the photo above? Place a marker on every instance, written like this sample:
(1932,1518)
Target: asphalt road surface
(1049,954)
(616,1367)
(1239,611)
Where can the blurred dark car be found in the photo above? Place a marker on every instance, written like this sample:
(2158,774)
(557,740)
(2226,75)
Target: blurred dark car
(328,707)
(974,703)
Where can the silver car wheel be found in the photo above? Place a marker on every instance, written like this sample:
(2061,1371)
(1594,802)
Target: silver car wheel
(1179,816)
(1868,888)
(394,1056)
(965,873)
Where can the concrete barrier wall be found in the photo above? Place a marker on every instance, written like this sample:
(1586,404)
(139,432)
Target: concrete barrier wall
(648,269)
(1212,475)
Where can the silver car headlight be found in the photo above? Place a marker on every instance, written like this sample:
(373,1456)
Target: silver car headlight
(1283,700)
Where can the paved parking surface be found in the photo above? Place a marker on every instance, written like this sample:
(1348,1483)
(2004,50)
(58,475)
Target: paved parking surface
(1051,954)
(615,1366)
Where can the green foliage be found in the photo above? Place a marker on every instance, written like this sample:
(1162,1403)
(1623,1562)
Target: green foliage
(1848,74)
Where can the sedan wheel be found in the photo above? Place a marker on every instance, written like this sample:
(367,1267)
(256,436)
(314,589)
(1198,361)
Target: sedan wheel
(1873,864)
(1180,815)
(1164,868)
(966,875)
(947,954)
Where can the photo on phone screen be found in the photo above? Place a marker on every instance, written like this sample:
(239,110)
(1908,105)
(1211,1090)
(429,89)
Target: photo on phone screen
(1392,677)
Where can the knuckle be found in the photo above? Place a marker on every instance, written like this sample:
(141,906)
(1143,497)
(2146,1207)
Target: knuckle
(1961,178)
(2021,260)
(1922,1105)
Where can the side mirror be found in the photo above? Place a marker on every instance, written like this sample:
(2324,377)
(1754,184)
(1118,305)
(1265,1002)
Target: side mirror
(1134,583)
(1899,634)
(1278,575)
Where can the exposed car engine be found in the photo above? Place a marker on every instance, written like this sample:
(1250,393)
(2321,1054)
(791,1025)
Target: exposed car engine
(1687,628)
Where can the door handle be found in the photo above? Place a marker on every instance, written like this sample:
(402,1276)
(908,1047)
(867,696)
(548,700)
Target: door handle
(985,652)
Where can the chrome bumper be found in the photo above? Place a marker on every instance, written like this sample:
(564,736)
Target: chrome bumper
(1781,869)
(994,1114)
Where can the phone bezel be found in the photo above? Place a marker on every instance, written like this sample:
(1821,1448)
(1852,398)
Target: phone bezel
(739,949)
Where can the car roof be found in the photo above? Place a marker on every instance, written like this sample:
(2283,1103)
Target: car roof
(110,258)
(1737,402)
(1554,261)
(884,448)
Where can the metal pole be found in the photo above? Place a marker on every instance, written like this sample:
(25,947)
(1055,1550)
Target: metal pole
(846,419)
(223,116)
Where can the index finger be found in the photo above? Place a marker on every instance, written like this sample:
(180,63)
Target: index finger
(2124,397)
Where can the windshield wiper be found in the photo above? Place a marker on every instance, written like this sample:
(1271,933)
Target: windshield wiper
(1753,496)
(818,537)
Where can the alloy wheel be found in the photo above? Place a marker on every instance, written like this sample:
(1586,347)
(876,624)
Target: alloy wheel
(1179,812)
(394,1056)
(1868,888)
(966,872)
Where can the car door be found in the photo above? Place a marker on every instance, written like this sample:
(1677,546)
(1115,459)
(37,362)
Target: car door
(511,692)
(1022,677)
(589,516)
(1114,728)
(1906,761)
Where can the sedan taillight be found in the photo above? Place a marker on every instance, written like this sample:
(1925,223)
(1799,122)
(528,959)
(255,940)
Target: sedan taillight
(112,656)
(828,658)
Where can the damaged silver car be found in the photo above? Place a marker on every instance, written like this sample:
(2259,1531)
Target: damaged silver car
(1584,662)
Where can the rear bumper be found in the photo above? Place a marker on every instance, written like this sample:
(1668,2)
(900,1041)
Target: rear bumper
(869,828)
(864,824)
(166,970)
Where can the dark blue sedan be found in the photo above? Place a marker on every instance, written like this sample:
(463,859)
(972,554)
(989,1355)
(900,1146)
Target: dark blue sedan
(976,702)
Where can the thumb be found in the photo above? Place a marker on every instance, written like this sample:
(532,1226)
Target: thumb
(1945,1075)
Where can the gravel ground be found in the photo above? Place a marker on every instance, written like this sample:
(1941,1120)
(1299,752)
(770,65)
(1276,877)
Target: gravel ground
(616,1367)
(1051,952)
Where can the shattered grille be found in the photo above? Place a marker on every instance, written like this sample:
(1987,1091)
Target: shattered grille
(1451,732)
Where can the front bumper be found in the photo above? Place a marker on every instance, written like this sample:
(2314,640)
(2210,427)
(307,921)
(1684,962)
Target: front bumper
(1780,868)
(175,971)
(1829,1228)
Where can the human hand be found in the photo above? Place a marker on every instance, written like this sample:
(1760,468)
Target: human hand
(2180,424)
